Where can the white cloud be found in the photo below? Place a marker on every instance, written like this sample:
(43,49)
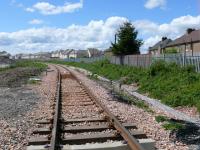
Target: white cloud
(30,9)
(15,3)
(97,33)
(46,8)
(150,4)
(36,21)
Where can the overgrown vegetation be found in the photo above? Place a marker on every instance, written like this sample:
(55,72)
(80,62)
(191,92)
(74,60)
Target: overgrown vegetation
(30,64)
(133,101)
(169,124)
(19,73)
(168,82)
(161,118)
(173,126)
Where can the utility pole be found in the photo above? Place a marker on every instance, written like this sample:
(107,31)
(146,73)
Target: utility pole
(115,38)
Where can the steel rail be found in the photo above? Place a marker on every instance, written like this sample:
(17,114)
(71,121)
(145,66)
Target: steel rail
(54,144)
(131,141)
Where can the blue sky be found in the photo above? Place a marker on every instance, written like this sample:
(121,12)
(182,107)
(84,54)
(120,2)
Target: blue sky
(45,25)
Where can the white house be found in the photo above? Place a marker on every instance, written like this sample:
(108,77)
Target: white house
(55,54)
(65,54)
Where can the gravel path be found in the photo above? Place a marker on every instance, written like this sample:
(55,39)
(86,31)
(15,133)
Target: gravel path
(15,102)
(129,113)
(21,107)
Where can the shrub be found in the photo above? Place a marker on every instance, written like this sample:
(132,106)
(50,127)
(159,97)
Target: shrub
(158,67)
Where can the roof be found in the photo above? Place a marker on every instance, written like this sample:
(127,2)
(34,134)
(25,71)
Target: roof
(82,53)
(4,53)
(94,52)
(193,37)
(160,44)
(66,52)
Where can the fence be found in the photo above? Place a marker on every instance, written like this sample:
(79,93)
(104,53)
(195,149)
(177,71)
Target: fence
(180,59)
(146,60)
(86,60)
(133,60)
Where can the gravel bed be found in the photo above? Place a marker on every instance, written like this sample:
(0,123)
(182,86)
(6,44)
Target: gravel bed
(86,124)
(190,111)
(24,106)
(129,113)
(71,95)
(91,133)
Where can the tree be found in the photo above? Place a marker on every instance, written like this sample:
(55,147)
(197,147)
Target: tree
(127,42)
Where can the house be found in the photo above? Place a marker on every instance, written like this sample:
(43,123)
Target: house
(78,54)
(40,55)
(92,52)
(5,60)
(188,43)
(159,48)
(61,54)
(108,52)
(55,54)
(64,54)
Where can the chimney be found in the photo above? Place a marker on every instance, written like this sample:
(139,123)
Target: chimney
(164,38)
(189,30)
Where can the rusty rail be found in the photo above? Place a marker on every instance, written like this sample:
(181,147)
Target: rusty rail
(54,144)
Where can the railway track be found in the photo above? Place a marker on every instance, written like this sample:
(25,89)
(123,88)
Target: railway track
(79,118)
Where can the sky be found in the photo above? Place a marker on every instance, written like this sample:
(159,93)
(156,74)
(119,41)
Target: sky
(30,26)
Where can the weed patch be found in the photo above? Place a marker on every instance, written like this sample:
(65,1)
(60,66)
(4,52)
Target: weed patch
(173,126)
(161,118)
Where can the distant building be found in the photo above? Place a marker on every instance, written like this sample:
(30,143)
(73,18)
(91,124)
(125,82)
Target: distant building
(5,60)
(65,54)
(55,54)
(78,54)
(40,55)
(108,52)
(188,43)
(92,52)
(85,53)
(61,54)
(159,47)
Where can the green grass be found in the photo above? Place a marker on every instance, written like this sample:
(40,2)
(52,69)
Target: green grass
(168,82)
(161,118)
(169,124)
(135,102)
(29,64)
(26,64)
(173,126)
(33,82)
